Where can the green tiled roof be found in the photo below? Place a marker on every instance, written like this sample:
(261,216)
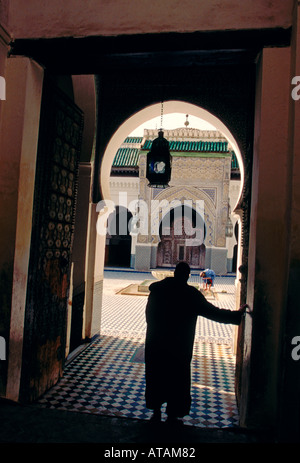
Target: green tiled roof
(194,146)
(129,157)
(126,157)
(134,140)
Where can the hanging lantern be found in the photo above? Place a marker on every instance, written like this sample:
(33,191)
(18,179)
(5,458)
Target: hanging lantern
(159,161)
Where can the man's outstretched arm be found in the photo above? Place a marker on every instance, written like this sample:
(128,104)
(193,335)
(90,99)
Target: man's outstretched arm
(210,311)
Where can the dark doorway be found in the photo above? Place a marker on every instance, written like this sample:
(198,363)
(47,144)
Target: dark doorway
(118,241)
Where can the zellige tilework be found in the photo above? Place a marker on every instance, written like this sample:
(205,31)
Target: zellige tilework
(108,376)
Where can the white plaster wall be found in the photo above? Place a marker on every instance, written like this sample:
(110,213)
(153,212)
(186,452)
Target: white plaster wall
(127,186)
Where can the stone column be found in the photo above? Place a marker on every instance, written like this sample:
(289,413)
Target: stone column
(268,240)
(94,276)
(5,263)
(18,148)
(289,430)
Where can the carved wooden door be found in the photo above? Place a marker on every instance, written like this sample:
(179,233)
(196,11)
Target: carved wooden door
(59,147)
(173,246)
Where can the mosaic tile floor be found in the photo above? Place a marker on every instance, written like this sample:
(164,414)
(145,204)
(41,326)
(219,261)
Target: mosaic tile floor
(108,376)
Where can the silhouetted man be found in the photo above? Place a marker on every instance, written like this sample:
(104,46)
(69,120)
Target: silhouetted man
(171,314)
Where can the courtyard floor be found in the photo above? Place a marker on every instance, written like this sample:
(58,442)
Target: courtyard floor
(107,377)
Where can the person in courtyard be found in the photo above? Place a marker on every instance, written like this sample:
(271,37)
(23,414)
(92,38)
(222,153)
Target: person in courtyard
(208,277)
(171,315)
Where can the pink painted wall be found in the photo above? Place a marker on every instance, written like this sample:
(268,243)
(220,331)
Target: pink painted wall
(44,18)
(269,230)
(4,11)
(4,36)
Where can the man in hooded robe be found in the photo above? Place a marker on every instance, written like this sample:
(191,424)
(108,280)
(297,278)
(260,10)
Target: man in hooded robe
(171,315)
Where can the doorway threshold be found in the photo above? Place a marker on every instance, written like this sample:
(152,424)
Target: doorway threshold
(77,351)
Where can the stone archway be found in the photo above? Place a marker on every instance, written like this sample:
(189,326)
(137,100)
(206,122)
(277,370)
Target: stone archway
(150,112)
(171,106)
(191,195)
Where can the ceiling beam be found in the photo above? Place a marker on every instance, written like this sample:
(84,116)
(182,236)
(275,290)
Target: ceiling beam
(93,55)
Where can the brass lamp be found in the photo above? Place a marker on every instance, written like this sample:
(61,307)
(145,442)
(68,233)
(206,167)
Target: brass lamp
(159,163)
